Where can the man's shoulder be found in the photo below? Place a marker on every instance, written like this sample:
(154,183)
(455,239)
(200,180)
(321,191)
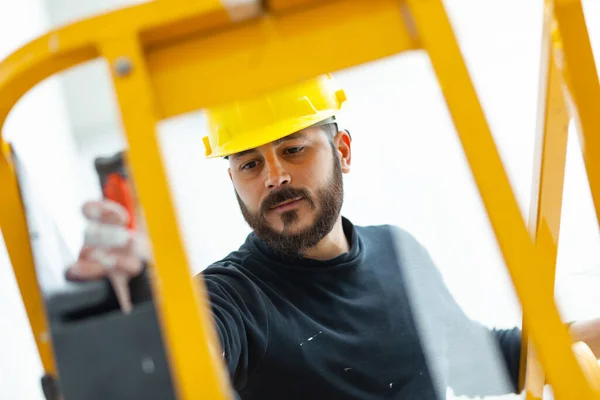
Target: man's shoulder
(395,232)
(389,237)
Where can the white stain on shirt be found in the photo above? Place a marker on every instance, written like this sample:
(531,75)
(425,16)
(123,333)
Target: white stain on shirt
(312,337)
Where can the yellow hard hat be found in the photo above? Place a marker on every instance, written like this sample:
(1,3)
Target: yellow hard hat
(249,123)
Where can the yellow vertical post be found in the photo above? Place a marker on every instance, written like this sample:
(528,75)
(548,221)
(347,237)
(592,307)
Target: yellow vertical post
(13,225)
(547,188)
(195,363)
(582,77)
(540,313)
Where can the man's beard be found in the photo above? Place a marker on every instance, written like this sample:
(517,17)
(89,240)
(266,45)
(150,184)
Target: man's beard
(327,202)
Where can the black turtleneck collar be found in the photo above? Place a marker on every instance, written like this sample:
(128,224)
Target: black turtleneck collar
(260,250)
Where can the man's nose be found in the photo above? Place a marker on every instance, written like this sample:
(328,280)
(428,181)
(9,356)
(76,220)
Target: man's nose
(276,175)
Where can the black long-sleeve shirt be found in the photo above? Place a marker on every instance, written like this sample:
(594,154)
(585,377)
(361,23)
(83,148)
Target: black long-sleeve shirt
(374,323)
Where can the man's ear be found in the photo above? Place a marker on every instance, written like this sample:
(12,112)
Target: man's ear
(343,144)
(229,172)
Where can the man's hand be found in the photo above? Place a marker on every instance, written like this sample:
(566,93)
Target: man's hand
(108,245)
(109,249)
(587,331)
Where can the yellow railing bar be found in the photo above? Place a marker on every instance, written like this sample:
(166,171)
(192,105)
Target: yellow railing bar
(272,52)
(549,171)
(277,6)
(541,316)
(184,314)
(547,187)
(16,236)
(582,78)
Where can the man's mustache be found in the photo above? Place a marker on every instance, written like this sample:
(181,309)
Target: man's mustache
(285,194)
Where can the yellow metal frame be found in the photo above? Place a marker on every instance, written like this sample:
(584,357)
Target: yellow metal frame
(547,186)
(16,237)
(581,76)
(557,105)
(167,58)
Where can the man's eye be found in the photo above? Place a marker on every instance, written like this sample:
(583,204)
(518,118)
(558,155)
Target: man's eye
(294,150)
(248,165)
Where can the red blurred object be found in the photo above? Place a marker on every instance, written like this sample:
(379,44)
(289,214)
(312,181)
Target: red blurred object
(117,189)
(114,181)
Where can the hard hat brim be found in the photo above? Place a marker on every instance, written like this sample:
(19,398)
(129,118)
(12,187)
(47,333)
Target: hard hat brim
(254,139)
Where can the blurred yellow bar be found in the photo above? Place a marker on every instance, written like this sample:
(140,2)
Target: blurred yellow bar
(13,226)
(584,87)
(271,52)
(547,187)
(185,316)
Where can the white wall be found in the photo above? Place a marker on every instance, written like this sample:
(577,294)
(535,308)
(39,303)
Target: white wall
(408,167)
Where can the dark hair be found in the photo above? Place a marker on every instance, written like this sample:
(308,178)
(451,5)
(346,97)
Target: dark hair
(330,130)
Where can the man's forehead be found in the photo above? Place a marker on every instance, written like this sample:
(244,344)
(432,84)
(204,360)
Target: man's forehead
(301,134)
